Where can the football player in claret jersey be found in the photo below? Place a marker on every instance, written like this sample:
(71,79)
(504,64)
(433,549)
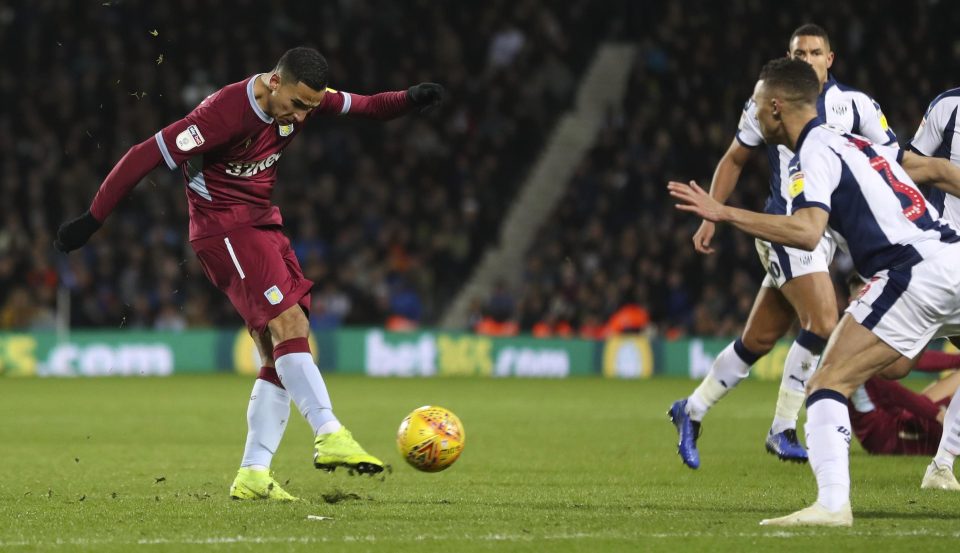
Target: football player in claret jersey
(797,284)
(895,237)
(227,149)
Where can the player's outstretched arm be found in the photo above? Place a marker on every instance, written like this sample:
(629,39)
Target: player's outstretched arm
(724,181)
(801,230)
(130,170)
(385,105)
(937,171)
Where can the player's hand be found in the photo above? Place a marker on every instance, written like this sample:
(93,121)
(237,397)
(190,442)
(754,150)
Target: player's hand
(703,237)
(695,200)
(75,232)
(425,96)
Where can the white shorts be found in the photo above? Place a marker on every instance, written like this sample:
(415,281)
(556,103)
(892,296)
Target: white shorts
(783,263)
(906,308)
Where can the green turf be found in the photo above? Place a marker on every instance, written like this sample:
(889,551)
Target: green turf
(572,465)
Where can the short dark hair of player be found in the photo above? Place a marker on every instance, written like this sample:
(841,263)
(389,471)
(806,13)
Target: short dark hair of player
(304,65)
(793,78)
(811,29)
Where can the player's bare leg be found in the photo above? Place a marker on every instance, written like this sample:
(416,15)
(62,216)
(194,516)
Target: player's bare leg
(939,474)
(943,388)
(770,318)
(852,356)
(815,303)
(267,416)
(334,446)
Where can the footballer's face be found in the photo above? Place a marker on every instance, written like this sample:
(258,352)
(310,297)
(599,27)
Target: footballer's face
(813,50)
(291,102)
(769,114)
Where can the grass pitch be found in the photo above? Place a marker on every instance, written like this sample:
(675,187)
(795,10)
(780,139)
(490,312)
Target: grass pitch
(560,465)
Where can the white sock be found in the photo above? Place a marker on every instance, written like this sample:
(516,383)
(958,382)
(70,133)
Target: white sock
(329,427)
(950,440)
(730,367)
(267,415)
(301,377)
(828,445)
(798,367)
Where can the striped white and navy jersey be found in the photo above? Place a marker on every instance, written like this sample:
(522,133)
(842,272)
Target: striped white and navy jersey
(838,105)
(872,202)
(937,136)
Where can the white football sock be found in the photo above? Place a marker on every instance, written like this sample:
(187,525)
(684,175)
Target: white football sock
(730,367)
(301,377)
(828,445)
(950,440)
(267,416)
(798,367)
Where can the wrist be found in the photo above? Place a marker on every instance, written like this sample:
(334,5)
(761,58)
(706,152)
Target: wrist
(724,214)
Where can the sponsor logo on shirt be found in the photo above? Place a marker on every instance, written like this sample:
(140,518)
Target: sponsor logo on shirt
(840,109)
(189,139)
(251,168)
(273,295)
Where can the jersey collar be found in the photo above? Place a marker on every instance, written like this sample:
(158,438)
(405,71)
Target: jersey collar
(822,98)
(811,124)
(253,101)
(831,82)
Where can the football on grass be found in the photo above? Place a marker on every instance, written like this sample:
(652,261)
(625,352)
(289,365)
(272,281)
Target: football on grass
(431,438)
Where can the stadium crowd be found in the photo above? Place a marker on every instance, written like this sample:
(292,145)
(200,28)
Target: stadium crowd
(388,220)
(616,244)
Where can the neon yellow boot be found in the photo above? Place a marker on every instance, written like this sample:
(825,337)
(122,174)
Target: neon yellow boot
(258,484)
(339,449)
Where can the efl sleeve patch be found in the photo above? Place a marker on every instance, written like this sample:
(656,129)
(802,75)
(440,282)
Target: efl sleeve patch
(189,139)
(796,184)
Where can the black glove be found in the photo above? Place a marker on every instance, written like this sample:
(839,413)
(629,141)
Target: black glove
(75,232)
(425,96)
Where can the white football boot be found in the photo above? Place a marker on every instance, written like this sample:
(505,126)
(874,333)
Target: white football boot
(814,515)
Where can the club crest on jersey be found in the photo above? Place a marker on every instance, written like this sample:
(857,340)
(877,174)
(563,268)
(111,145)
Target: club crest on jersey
(285,130)
(189,139)
(273,295)
(796,184)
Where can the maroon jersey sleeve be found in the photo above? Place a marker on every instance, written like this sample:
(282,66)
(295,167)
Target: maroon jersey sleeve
(214,123)
(130,170)
(385,105)
(936,361)
(888,394)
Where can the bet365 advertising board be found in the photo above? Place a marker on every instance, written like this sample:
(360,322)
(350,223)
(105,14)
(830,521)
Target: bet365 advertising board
(368,351)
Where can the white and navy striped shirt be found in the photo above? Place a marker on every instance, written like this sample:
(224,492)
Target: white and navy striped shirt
(839,105)
(937,136)
(872,202)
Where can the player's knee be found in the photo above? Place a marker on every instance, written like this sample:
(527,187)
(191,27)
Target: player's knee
(896,371)
(821,325)
(290,324)
(759,343)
